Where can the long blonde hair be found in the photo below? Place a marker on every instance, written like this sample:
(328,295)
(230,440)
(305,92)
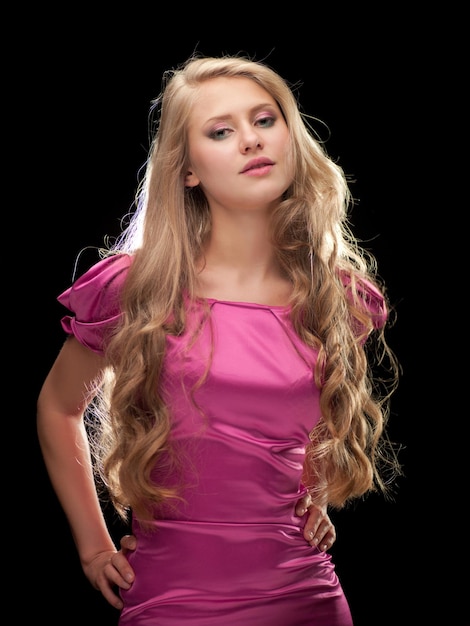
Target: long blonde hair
(349,453)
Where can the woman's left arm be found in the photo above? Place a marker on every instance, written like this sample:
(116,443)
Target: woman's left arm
(319,530)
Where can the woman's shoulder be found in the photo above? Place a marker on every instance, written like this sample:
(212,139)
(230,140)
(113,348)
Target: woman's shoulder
(106,270)
(364,292)
(103,278)
(94,300)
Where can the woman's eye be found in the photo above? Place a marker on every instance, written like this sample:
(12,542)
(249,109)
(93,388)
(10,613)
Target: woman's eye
(219,133)
(266,122)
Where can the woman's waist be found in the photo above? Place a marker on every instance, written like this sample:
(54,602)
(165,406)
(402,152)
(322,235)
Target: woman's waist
(216,555)
(237,505)
(242,541)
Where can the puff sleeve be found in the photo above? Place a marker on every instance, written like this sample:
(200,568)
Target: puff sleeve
(373,303)
(94,301)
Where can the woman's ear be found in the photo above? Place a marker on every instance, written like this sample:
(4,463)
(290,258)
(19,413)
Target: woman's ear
(190,179)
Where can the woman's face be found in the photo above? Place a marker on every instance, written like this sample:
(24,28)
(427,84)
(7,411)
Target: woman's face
(238,146)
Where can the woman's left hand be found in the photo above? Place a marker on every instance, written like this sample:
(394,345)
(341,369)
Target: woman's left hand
(319,530)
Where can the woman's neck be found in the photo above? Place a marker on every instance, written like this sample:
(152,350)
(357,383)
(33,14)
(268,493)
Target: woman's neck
(243,269)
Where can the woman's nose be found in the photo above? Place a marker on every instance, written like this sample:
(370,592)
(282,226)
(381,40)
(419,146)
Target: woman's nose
(250,141)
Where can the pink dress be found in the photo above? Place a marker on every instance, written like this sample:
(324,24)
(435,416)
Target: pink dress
(233,554)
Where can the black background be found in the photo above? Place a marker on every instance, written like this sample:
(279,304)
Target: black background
(83,94)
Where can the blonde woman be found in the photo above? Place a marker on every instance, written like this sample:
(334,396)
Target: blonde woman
(219,377)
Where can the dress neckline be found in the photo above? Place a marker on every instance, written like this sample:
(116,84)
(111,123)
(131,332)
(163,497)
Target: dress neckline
(247,304)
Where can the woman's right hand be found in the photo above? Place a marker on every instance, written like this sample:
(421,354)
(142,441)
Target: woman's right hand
(110,571)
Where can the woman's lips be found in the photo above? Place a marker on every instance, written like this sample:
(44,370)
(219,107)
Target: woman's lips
(259,170)
(258,167)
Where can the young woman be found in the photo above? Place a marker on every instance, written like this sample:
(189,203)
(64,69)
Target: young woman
(219,377)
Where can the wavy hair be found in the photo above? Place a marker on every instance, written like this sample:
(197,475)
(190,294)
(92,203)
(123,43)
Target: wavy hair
(349,453)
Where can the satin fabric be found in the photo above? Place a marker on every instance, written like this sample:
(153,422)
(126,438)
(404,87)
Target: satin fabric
(233,552)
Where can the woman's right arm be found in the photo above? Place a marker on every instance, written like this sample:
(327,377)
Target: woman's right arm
(62,401)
